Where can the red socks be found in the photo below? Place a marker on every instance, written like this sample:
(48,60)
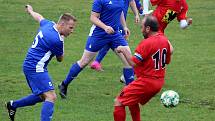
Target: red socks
(119,113)
(135,112)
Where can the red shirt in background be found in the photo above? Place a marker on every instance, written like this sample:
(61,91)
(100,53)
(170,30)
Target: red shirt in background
(167,10)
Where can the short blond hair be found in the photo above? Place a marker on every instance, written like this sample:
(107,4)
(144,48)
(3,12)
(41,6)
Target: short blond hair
(67,17)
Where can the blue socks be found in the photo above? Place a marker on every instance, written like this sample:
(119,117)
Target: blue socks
(74,71)
(128,75)
(139,6)
(47,111)
(102,53)
(47,108)
(26,101)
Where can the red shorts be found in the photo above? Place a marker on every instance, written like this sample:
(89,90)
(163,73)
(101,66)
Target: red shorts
(140,91)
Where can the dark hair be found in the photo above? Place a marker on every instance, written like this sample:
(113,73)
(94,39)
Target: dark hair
(67,17)
(152,22)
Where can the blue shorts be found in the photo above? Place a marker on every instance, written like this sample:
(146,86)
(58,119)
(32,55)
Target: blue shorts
(39,82)
(94,44)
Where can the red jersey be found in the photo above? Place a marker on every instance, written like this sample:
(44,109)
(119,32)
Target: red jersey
(151,55)
(167,10)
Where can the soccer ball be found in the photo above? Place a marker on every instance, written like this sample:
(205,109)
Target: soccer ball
(169,98)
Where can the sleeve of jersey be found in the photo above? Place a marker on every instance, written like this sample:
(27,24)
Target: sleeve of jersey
(57,48)
(183,14)
(139,56)
(97,6)
(44,22)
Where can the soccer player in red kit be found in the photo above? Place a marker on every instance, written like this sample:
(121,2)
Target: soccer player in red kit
(149,60)
(167,10)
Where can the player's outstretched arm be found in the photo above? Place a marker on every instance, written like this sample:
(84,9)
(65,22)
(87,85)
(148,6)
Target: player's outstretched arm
(35,15)
(185,23)
(135,11)
(182,17)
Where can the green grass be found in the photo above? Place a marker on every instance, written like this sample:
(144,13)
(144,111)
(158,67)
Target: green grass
(91,95)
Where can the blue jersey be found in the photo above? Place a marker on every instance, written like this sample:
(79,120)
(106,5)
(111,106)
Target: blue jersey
(126,5)
(110,12)
(47,43)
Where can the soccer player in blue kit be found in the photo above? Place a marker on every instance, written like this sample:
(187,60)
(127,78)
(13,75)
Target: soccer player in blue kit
(107,16)
(135,6)
(139,7)
(49,42)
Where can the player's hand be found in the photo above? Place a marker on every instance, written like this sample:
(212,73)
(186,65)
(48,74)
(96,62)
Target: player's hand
(109,30)
(137,19)
(28,8)
(127,32)
(189,21)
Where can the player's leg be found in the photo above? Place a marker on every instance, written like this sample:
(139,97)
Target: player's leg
(135,112)
(131,96)
(75,69)
(25,101)
(29,100)
(139,6)
(91,48)
(48,105)
(96,64)
(119,112)
(42,85)
(128,71)
(39,83)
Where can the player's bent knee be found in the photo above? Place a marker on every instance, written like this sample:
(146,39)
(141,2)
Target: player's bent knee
(84,62)
(50,96)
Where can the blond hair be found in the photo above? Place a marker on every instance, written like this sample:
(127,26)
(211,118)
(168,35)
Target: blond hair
(67,17)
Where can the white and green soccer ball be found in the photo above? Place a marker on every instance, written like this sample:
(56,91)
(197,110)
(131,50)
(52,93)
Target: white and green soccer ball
(169,98)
